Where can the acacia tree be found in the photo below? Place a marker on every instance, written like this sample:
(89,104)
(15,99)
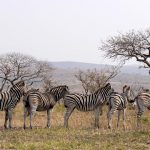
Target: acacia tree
(91,80)
(134,44)
(16,66)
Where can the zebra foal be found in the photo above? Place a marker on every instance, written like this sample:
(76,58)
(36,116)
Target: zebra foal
(119,102)
(37,101)
(92,102)
(143,102)
(9,100)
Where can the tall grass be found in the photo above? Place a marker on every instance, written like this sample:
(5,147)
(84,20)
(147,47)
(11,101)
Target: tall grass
(81,134)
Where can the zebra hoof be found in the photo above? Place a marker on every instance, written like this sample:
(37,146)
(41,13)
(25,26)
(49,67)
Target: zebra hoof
(109,127)
(97,127)
(48,127)
(5,127)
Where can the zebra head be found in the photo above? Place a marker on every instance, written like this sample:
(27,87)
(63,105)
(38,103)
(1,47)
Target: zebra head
(19,87)
(59,92)
(128,93)
(104,93)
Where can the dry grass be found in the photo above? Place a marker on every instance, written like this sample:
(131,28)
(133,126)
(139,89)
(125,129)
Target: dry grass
(80,136)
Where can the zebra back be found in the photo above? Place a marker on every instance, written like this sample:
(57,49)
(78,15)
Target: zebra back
(120,100)
(45,100)
(143,99)
(25,98)
(87,102)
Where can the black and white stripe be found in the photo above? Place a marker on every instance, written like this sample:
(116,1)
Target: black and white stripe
(118,102)
(143,103)
(37,101)
(92,102)
(9,100)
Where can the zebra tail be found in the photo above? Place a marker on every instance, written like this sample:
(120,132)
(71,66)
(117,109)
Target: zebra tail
(26,104)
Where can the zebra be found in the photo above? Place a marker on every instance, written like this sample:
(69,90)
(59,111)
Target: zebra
(9,100)
(119,102)
(92,102)
(143,102)
(38,101)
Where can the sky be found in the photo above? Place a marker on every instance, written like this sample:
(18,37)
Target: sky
(67,30)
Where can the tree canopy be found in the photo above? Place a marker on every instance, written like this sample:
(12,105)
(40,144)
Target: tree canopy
(16,66)
(91,80)
(133,44)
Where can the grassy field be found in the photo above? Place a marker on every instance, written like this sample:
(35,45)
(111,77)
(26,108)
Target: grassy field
(81,134)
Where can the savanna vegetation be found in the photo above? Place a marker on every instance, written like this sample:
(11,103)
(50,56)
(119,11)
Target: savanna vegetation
(81,134)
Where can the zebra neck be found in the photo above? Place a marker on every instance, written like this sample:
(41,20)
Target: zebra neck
(124,95)
(97,92)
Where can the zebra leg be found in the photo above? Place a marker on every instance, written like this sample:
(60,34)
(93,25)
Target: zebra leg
(32,113)
(6,119)
(139,116)
(10,118)
(48,118)
(67,115)
(140,112)
(124,119)
(109,115)
(101,110)
(25,116)
(119,112)
(97,114)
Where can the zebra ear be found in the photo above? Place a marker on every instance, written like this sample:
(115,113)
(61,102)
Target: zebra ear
(124,88)
(108,84)
(128,88)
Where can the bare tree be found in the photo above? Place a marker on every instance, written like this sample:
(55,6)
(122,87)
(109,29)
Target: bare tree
(48,83)
(91,80)
(16,66)
(134,44)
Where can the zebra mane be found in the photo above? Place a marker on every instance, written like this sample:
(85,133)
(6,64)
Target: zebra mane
(16,86)
(101,88)
(57,87)
(20,83)
(59,91)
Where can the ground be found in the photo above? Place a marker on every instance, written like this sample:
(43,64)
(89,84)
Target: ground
(81,134)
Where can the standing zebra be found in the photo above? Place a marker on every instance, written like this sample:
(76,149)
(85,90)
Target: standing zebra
(143,102)
(37,101)
(9,100)
(119,102)
(92,102)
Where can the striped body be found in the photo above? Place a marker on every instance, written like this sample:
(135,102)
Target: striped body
(5,99)
(43,101)
(37,101)
(143,102)
(82,102)
(9,100)
(86,102)
(118,102)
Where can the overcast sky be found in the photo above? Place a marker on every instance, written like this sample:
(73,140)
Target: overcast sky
(67,30)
